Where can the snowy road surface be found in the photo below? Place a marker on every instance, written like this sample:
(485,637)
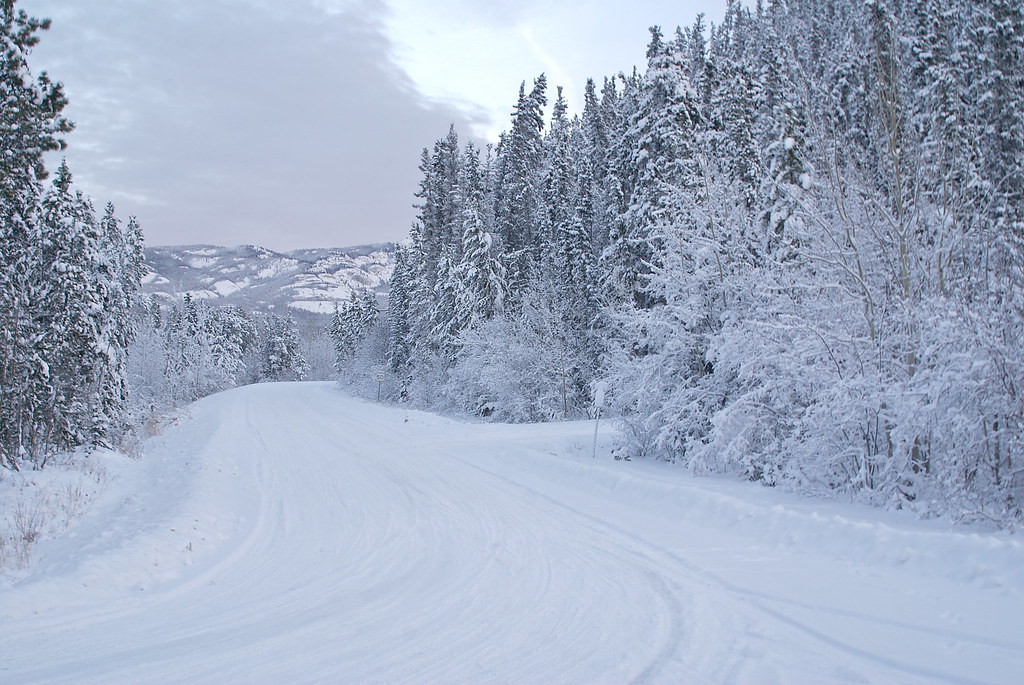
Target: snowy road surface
(287,533)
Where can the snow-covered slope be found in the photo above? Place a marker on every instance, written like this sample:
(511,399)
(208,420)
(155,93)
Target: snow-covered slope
(256,278)
(288,533)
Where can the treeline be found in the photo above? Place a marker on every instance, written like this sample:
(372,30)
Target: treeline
(792,248)
(83,359)
(67,276)
(185,351)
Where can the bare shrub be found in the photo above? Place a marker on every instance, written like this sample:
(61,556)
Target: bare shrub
(29,519)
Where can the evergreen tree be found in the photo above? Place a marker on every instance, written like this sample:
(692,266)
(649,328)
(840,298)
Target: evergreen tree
(793,245)
(661,159)
(70,307)
(447,317)
(281,349)
(31,121)
(233,334)
(399,311)
(66,279)
(31,124)
(350,325)
(519,186)
(481,274)
(118,278)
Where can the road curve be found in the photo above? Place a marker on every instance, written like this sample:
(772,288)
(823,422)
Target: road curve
(288,533)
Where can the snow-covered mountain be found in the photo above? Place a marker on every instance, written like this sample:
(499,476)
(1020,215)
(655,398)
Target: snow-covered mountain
(256,278)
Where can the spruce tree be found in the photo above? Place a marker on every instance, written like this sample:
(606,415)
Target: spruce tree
(31,124)
(399,311)
(519,193)
(481,274)
(281,350)
(70,301)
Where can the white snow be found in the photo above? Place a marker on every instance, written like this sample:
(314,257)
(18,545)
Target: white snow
(338,292)
(315,306)
(278,268)
(288,533)
(228,287)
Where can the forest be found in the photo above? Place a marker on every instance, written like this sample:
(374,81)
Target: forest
(84,360)
(67,276)
(789,248)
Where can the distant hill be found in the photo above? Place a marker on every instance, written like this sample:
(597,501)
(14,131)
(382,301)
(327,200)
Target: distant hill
(258,279)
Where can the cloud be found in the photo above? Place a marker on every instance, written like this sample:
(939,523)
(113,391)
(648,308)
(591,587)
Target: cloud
(229,121)
(467,51)
(299,124)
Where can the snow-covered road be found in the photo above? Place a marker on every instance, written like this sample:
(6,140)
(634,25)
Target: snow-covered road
(288,533)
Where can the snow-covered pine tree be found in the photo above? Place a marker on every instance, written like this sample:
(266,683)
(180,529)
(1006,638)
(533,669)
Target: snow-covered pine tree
(399,311)
(518,198)
(483,281)
(350,325)
(117,278)
(281,350)
(234,336)
(69,302)
(31,120)
(439,220)
(31,124)
(66,279)
(593,151)
(188,362)
(781,129)
(660,158)
(810,258)
(447,317)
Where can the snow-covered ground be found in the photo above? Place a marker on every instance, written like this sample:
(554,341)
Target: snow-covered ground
(288,533)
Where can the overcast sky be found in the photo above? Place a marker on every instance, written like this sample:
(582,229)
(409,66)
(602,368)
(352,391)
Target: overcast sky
(300,123)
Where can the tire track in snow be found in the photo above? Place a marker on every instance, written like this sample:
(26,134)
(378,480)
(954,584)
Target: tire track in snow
(743,601)
(350,545)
